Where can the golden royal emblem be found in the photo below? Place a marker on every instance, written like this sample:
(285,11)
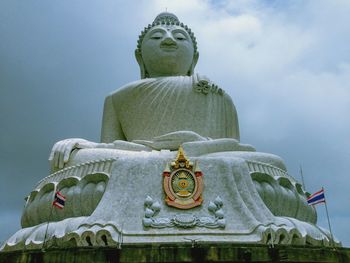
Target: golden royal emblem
(183,182)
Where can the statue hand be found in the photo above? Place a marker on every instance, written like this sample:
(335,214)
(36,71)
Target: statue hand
(215,145)
(127,146)
(172,140)
(61,151)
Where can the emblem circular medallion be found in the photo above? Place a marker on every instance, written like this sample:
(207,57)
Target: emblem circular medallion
(183,183)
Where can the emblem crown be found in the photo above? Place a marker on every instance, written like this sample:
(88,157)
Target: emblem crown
(181,160)
(183,182)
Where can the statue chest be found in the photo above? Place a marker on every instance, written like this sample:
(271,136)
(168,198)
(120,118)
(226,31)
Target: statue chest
(155,110)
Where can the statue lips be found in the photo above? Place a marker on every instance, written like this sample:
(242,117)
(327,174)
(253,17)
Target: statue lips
(168,46)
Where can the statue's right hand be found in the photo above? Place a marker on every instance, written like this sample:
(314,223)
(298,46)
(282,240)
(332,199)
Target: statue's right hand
(61,151)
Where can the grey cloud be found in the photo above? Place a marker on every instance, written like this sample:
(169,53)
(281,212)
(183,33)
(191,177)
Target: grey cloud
(59,60)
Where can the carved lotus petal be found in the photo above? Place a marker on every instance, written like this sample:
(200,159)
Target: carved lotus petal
(221,223)
(219,213)
(155,207)
(218,201)
(149,213)
(212,207)
(148,201)
(147,222)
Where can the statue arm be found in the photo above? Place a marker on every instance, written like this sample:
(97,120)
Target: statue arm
(198,148)
(231,116)
(112,137)
(111,128)
(111,131)
(172,140)
(62,150)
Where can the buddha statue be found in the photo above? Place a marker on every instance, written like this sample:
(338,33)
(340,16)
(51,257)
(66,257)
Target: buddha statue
(176,124)
(169,106)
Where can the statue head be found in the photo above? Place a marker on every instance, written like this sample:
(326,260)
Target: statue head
(166,48)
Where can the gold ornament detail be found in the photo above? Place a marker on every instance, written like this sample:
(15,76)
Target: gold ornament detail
(183,182)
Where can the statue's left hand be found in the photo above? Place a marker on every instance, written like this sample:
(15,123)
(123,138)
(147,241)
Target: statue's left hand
(61,151)
(172,141)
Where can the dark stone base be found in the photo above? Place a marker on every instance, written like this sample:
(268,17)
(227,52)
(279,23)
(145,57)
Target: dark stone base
(181,253)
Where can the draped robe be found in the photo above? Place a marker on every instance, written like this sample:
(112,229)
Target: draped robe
(152,107)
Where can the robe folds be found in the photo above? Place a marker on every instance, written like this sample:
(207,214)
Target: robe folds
(152,107)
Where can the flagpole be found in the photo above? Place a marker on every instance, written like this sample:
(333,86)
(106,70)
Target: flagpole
(48,222)
(302,178)
(47,227)
(329,222)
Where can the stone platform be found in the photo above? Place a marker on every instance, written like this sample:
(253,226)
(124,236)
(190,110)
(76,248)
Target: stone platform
(121,198)
(191,251)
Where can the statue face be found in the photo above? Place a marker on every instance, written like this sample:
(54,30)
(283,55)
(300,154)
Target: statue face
(167,50)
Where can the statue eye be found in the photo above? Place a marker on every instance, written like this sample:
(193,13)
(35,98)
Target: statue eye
(179,36)
(156,35)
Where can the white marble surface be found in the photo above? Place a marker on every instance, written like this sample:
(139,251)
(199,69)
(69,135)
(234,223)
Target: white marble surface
(135,175)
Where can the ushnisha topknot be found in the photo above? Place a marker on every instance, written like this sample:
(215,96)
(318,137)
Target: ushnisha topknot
(166,18)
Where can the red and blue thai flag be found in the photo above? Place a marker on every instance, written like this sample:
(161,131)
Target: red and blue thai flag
(59,200)
(316,198)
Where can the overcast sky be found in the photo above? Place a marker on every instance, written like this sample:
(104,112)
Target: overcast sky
(286,65)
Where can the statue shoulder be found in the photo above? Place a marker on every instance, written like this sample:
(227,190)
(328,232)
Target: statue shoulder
(128,89)
(202,84)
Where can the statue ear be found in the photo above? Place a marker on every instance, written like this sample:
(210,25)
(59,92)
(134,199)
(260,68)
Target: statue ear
(139,59)
(194,63)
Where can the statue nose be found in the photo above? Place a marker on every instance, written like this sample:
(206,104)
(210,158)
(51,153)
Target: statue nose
(169,40)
